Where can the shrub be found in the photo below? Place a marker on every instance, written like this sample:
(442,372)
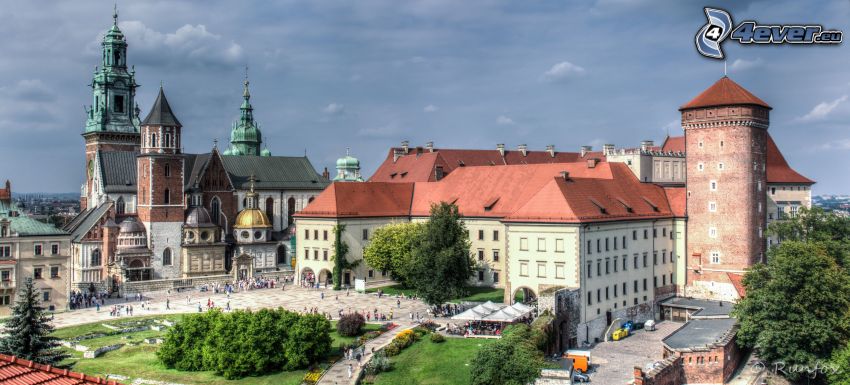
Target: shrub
(392,349)
(430,325)
(437,338)
(420,332)
(379,363)
(350,324)
(405,338)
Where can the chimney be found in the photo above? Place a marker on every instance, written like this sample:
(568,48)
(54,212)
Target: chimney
(522,148)
(585,150)
(326,174)
(551,149)
(565,175)
(501,148)
(607,149)
(645,145)
(397,153)
(405,145)
(429,146)
(591,163)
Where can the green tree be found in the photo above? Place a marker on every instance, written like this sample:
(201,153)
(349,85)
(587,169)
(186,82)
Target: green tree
(797,308)
(512,360)
(28,330)
(817,226)
(391,249)
(838,371)
(441,263)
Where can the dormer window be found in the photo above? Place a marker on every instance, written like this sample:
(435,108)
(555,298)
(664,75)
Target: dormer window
(119,104)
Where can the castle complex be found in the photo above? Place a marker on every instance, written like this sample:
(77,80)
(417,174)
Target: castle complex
(622,229)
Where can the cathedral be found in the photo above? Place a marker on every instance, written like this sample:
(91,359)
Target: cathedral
(152,213)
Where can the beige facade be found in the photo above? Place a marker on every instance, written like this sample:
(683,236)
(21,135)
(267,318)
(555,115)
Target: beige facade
(44,259)
(650,164)
(785,200)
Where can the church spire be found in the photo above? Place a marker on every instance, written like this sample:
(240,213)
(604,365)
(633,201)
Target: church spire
(245,137)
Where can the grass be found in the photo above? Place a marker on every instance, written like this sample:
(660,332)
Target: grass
(140,361)
(476,293)
(427,363)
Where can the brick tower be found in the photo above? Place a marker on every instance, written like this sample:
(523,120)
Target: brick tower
(725,138)
(112,122)
(160,187)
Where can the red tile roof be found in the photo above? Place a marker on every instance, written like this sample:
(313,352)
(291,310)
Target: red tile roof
(724,92)
(738,281)
(778,170)
(677,197)
(419,165)
(17,371)
(674,144)
(361,199)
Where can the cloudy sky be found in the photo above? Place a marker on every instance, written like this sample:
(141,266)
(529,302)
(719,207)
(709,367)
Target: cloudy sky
(326,75)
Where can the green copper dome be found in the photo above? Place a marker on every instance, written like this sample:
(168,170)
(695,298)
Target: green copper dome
(265,152)
(348,169)
(245,135)
(348,162)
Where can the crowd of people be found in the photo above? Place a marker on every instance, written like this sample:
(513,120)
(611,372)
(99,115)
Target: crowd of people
(86,299)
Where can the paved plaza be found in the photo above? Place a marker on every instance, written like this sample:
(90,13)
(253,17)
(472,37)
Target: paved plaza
(614,361)
(294,298)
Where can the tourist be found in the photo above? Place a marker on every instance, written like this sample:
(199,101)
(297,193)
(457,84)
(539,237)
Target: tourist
(350,371)
(398,303)
(167,304)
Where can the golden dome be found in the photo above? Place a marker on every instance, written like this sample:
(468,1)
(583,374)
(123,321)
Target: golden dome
(251,218)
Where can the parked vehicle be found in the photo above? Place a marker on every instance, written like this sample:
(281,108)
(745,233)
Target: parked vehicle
(580,359)
(580,377)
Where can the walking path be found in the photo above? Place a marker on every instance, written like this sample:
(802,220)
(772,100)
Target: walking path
(337,374)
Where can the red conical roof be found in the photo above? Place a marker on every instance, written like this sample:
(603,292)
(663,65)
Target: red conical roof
(723,93)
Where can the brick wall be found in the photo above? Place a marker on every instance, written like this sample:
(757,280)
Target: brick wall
(712,364)
(667,372)
(725,145)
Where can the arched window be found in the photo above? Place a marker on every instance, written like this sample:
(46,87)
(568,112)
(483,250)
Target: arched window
(167,169)
(119,206)
(270,208)
(215,209)
(290,210)
(153,140)
(95,258)
(167,196)
(166,257)
(167,142)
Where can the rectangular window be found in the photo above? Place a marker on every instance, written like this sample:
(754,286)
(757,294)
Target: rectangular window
(541,270)
(559,271)
(636,261)
(655,258)
(45,296)
(655,233)
(645,234)
(324,255)
(365,234)
(480,254)
(634,235)
(306,253)
(606,293)
(5,251)
(625,262)
(37,249)
(616,263)
(712,232)
(495,255)
(541,244)
(325,235)
(119,104)
(5,275)
(54,249)
(655,281)
(615,291)
(523,269)
(636,286)
(607,266)
(663,231)
(598,295)
(712,185)
(495,235)
(598,246)
(316,254)
(589,247)
(315,234)
(598,267)
(606,244)
(625,290)
(480,235)
(589,269)
(589,297)
(624,242)
(644,284)
(495,277)
(663,280)
(615,243)
(5,300)
(559,245)
(523,244)
(371,273)
(645,259)
(712,206)
(715,257)
(54,271)
(36,273)
(480,275)
(306,234)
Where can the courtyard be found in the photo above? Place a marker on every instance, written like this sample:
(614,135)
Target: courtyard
(614,361)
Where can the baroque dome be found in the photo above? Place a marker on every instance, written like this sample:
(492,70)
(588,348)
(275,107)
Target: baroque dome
(251,218)
(199,217)
(131,225)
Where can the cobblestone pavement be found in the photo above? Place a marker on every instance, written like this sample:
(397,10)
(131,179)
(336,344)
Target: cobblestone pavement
(338,373)
(293,298)
(614,361)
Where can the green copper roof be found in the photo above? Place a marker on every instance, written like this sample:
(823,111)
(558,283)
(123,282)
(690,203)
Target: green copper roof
(22,225)
(245,136)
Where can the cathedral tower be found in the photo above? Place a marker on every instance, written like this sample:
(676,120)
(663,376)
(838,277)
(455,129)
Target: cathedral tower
(160,186)
(726,139)
(112,122)
(245,136)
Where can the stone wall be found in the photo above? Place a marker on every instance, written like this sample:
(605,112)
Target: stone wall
(131,288)
(667,372)
(553,377)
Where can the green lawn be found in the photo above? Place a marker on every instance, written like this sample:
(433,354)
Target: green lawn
(140,361)
(476,293)
(433,364)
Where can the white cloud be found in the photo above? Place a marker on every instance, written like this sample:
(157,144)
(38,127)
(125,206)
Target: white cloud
(742,65)
(334,109)
(561,71)
(823,109)
(189,43)
(503,120)
(430,108)
(841,144)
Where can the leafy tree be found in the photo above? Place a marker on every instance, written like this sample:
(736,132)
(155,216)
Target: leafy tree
(28,330)
(441,263)
(512,360)
(817,226)
(797,308)
(838,371)
(309,341)
(350,324)
(391,249)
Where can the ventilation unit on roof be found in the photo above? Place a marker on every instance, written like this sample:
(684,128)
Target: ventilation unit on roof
(654,207)
(490,203)
(601,208)
(565,175)
(460,163)
(626,205)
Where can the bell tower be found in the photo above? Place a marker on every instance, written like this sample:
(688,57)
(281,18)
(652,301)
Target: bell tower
(112,121)
(160,186)
(726,142)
